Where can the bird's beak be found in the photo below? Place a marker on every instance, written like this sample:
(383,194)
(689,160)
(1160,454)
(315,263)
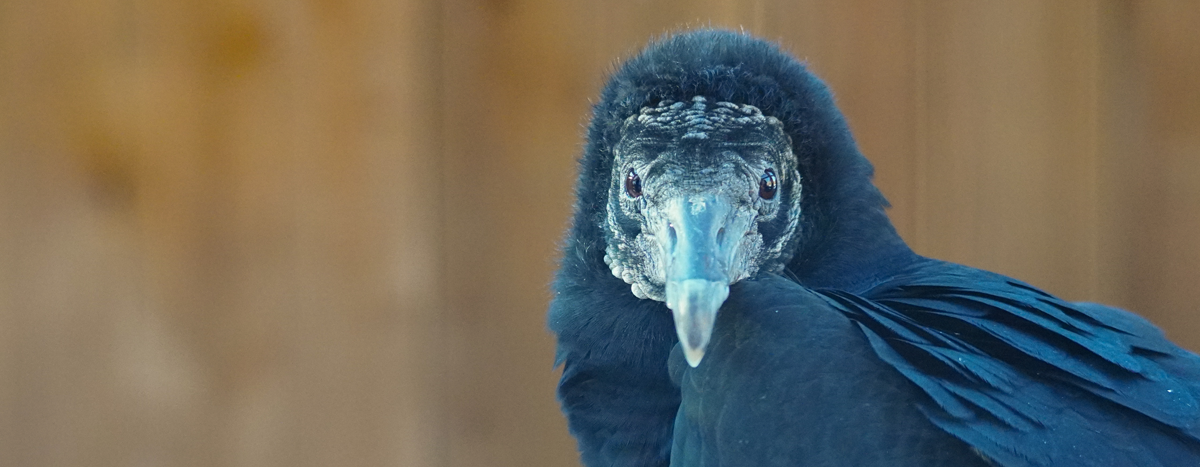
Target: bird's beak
(699,254)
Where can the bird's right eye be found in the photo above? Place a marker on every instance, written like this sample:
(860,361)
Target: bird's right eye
(768,185)
(633,184)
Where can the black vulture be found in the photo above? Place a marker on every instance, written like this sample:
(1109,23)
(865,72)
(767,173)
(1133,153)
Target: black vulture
(732,293)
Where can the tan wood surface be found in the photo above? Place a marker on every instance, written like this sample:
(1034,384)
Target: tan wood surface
(260,233)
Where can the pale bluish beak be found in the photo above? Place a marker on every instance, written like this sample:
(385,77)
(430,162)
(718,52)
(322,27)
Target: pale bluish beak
(698,266)
(694,303)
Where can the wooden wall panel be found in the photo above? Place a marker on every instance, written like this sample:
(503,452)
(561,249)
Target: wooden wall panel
(68,269)
(1150,163)
(220,236)
(1164,234)
(511,129)
(322,233)
(1008,169)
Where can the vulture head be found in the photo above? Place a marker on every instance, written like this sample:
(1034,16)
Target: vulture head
(713,157)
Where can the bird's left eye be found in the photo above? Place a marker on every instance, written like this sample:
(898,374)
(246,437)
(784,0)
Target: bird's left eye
(633,184)
(768,185)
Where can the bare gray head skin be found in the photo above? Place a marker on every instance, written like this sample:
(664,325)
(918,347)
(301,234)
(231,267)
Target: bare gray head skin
(703,195)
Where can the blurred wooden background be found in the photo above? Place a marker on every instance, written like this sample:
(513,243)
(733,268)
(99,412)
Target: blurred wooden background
(268,233)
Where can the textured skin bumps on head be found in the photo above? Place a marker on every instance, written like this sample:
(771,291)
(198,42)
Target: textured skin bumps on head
(698,120)
(680,149)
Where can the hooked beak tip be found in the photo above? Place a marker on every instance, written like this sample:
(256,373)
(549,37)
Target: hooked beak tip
(694,304)
(693,355)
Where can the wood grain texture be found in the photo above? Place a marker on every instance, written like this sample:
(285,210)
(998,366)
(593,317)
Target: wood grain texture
(221,236)
(1009,160)
(322,233)
(1149,177)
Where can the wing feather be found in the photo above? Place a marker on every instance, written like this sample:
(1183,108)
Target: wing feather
(1029,379)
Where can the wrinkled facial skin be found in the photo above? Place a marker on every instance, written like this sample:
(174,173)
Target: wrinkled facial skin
(702,195)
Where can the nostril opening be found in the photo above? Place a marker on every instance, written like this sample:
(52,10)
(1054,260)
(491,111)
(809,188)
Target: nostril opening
(721,236)
(671,234)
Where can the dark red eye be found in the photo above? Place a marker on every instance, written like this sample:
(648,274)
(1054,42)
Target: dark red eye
(768,185)
(633,184)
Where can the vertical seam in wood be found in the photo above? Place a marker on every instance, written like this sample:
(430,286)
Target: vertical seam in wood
(437,9)
(918,221)
(758,18)
(1092,149)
